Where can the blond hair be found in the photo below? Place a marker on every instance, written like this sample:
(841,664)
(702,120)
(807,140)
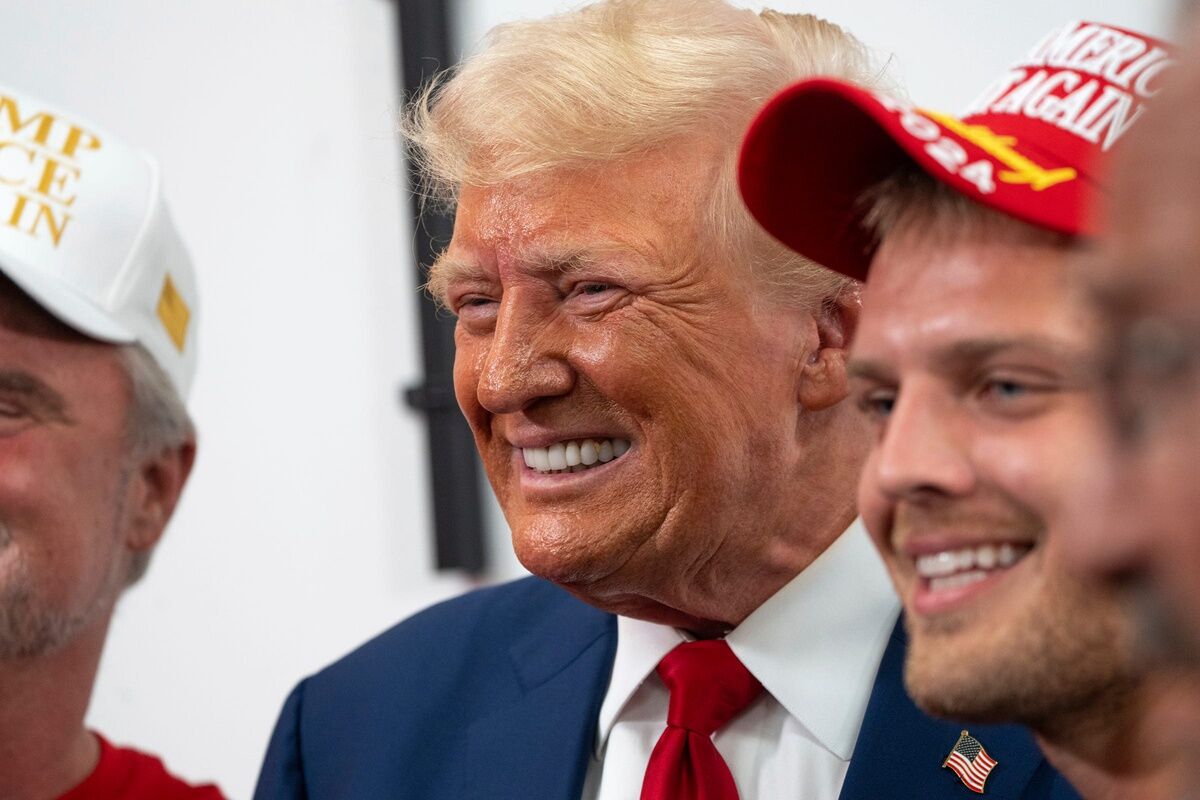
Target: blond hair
(623,77)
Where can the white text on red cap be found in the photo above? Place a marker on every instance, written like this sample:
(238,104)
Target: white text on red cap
(1051,83)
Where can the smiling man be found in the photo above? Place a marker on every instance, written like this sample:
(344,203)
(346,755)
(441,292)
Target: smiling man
(97,351)
(655,388)
(973,362)
(649,491)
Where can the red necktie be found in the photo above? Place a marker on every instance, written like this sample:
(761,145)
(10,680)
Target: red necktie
(709,687)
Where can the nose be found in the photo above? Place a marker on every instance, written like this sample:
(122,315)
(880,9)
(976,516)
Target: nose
(919,453)
(526,360)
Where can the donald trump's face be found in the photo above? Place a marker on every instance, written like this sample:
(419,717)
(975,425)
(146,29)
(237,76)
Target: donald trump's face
(635,398)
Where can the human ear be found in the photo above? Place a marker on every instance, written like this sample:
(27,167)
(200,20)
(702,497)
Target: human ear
(822,379)
(157,484)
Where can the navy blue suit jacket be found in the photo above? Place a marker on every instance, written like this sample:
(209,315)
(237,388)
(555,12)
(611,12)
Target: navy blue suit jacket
(495,696)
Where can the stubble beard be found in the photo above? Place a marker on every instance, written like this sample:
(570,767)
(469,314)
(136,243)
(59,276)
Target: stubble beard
(29,626)
(1038,668)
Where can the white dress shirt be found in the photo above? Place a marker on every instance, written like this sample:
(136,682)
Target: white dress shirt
(815,646)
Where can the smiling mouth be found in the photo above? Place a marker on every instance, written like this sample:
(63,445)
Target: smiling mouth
(576,455)
(956,569)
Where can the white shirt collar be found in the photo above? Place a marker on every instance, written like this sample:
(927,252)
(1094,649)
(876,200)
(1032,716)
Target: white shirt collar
(815,645)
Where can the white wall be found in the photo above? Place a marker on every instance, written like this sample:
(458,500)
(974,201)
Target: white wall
(304,529)
(946,51)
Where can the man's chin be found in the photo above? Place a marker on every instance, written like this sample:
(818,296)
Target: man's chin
(969,681)
(581,553)
(569,559)
(953,671)
(955,694)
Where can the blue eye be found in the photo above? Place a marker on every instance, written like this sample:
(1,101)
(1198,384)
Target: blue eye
(1018,397)
(877,404)
(1007,389)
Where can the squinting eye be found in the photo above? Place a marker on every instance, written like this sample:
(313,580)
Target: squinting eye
(14,418)
(591,288)
(473,304)
(1015,397)
(1007,390)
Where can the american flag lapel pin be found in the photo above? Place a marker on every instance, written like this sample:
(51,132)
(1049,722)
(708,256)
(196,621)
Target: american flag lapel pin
(970,762)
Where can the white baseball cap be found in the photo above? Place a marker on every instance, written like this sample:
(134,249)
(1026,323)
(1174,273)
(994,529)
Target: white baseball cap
(85,232)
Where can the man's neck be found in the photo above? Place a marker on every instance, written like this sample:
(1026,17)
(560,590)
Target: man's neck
(827,510)
(1096,749)
(44,747)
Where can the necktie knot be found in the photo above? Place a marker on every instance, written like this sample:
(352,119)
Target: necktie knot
(709,686)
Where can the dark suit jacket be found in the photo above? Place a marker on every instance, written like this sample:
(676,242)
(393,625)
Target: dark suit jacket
(495,696)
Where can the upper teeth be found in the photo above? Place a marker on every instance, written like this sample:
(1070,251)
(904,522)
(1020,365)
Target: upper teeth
(574,455)
(983,557)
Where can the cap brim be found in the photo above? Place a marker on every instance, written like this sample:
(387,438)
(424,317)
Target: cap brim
(807,159)
(64,303)
(819,145)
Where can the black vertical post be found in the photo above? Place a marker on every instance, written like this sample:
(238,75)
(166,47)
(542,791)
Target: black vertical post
(425,49)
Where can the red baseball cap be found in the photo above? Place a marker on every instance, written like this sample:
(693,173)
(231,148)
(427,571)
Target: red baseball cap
(1032,146)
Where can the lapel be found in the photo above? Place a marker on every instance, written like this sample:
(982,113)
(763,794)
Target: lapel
(539,744)
(900,749)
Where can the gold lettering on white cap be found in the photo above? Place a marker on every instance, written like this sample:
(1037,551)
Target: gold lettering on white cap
(39,169)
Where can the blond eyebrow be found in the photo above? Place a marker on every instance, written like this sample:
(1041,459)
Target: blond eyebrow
(569,260)
(447,269)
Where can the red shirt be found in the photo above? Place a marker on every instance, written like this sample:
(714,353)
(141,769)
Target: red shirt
(124,774)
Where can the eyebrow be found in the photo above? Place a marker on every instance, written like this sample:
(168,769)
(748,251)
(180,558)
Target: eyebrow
(965,355)
(23,384)
(550,261)
(870,370)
